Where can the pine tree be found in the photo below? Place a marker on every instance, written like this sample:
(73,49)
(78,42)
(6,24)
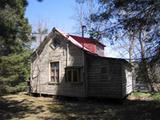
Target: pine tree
(14,46)
(138,19)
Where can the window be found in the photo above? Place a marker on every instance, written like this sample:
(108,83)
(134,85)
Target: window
(54,72)
(73,74)
(55,43)
(69,75)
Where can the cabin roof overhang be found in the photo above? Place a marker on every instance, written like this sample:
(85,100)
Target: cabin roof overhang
(74,41)
(50,35)
(110,58)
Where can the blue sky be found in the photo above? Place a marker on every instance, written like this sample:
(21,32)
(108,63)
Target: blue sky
(57,13)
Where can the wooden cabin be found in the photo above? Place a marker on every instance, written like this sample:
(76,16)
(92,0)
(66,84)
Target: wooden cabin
(68,65)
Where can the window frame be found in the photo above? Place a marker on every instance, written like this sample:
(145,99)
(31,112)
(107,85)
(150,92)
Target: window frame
(72,70)
(50,73)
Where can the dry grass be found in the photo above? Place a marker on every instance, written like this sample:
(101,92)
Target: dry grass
(24,107)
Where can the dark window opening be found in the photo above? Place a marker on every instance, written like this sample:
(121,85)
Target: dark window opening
(73,75)
(69,76)
(55,43)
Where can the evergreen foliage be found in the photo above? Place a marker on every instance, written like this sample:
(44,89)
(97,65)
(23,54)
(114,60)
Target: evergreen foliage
(14,46)
(140,20)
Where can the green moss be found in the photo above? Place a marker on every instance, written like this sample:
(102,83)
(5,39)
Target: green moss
(141,94)
(156,96)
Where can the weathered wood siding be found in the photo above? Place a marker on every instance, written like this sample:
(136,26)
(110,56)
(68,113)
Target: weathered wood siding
(105,77)
(66,56)
(100,77)
(127,80)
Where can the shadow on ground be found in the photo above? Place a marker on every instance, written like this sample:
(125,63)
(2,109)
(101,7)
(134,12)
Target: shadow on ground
(19,109)
(27,107)
(101,110)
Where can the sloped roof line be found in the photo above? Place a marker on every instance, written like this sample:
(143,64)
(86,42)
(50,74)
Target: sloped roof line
(65,35)
(89,52)
(70,38)
(85,39)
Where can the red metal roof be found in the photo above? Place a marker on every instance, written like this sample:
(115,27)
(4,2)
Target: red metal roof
(86,40)
(88,43)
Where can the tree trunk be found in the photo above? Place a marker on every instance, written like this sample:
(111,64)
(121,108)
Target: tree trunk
(144,64)
(131,47)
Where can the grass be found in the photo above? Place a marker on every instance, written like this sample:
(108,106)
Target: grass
(145,95)
(156,96)
(138,106)
(141,94)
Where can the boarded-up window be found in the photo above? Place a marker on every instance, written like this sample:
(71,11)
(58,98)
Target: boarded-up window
(73,74)
(54,72)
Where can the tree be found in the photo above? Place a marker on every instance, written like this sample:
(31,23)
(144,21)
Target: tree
(129,16)
(140,19)
(41,30)
(14,46)
(83,9)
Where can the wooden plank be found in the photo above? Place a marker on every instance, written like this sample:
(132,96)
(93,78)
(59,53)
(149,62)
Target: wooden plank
(59,54)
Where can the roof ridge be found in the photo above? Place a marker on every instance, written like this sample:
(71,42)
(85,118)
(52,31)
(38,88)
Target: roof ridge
(90,39)
(70,38)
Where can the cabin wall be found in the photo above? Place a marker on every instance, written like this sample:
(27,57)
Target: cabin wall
(66,54)
(99,50)
(104,78)
(127,80)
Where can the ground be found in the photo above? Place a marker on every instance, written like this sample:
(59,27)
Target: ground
(138,106)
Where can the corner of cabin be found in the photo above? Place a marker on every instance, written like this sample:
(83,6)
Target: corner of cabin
(58,62)
(127,81)
(63,66)
(104,77)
